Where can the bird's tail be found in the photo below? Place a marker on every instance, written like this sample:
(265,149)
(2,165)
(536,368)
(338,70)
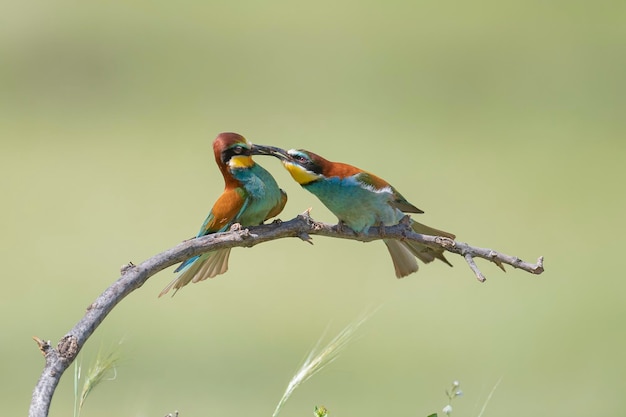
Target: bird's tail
(207,265)
(403,259)
(403,253)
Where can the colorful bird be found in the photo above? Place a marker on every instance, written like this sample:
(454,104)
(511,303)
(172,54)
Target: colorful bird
(250,197)
(360,200)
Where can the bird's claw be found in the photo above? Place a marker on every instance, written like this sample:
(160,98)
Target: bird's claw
(381,229)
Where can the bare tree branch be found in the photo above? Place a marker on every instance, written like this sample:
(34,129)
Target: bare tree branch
(134,276)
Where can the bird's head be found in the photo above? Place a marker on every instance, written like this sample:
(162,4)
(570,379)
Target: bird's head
(232,151)
(305,167)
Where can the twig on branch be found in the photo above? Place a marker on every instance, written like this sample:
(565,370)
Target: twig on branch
(303,226)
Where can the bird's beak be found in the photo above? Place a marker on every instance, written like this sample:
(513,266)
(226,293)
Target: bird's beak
(271,151)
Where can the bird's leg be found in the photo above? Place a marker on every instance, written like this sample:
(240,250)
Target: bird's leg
(342,227)
(381,228)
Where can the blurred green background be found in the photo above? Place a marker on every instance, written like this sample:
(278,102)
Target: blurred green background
(504,121)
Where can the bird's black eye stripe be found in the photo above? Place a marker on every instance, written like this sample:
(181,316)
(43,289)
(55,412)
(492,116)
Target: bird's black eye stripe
(305,162)
(313,167)
(234,151)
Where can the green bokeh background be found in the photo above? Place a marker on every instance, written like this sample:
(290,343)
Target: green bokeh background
(504,121)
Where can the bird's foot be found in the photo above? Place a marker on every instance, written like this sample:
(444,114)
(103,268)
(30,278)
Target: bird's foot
(405,221)
(236,227)
(381,229)
(341,226)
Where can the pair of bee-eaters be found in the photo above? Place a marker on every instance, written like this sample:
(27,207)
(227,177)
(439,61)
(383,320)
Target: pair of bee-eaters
(358,198)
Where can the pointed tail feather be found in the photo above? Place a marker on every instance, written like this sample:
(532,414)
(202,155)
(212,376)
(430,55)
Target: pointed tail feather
(207,265)
(403,260)
(427,230)
(217,264)
(403,253)
(424,252)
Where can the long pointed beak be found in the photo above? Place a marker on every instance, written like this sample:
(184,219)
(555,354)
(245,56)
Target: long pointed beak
(271,151)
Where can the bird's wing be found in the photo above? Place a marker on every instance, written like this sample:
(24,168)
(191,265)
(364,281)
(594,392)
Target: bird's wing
(278,207)
(402,204)
(224,213)
(226,210)
(377,184)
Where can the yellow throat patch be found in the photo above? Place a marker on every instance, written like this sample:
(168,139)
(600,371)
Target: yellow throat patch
(240,161)
(301,175)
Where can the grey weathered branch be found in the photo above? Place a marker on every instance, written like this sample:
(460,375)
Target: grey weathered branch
(134,276)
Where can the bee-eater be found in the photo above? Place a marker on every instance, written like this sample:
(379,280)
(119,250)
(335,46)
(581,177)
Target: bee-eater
(250,197)
(360,200)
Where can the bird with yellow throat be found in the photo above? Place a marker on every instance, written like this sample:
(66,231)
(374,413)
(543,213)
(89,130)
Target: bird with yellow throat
(360,200)
(251,196)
